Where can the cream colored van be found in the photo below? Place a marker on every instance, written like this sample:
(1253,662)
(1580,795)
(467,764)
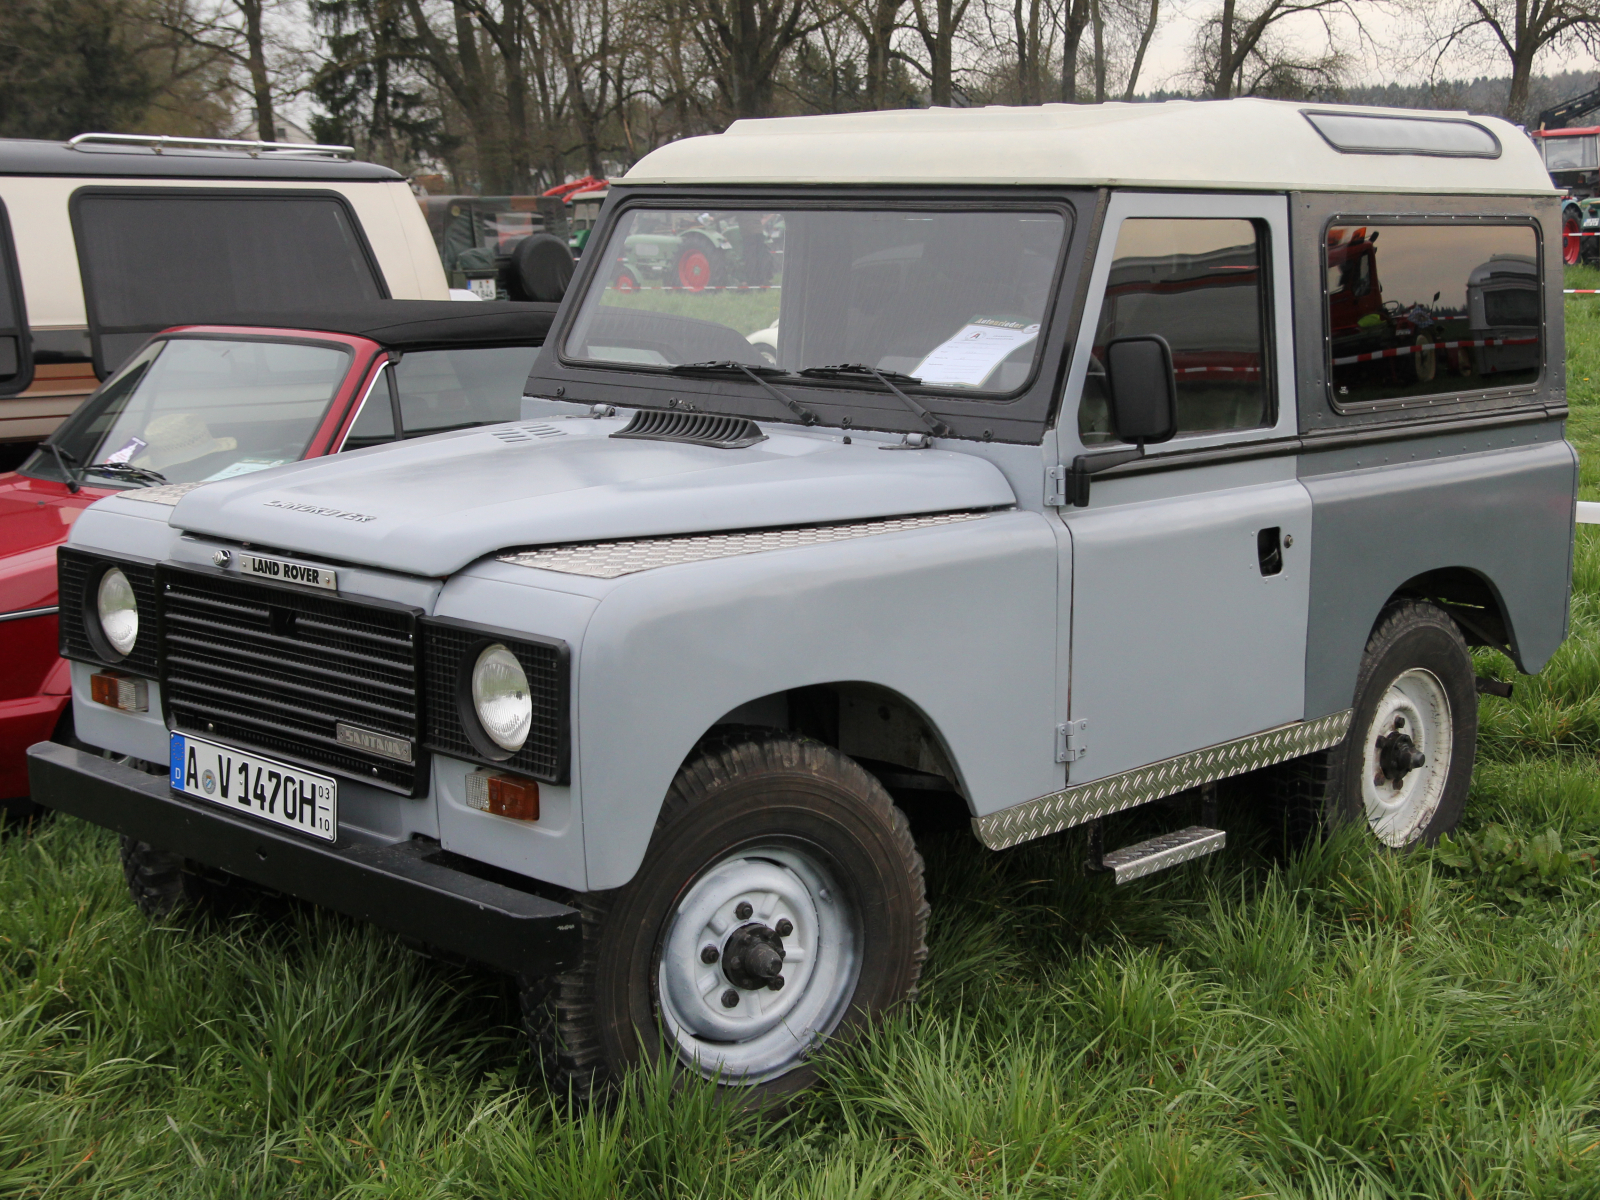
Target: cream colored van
(109,238)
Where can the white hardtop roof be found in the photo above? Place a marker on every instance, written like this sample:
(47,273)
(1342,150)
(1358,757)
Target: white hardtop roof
(1237,145)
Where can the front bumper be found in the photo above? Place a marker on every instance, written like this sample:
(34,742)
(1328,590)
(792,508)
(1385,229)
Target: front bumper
(412,887)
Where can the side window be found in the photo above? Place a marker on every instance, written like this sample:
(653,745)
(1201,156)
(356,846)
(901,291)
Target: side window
(1422,310)
(16,358)
(452,389)
(375,422)
(1199,283)
(151,259)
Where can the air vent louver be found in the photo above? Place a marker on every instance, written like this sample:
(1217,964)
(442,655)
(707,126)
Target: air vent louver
(702,429)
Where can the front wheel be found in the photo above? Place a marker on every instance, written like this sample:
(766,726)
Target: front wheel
(1404,769)
(1424,359)
(164,885)
(780,904)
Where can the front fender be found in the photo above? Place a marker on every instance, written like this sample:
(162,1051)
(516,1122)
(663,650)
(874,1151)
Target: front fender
(960,619)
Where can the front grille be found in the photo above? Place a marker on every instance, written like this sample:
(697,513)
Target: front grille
(452,649)
(78,578)
(277,669)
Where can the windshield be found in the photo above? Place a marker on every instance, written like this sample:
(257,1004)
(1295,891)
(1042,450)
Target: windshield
(439,390)
(190,409)
(953,299)
(1571,153)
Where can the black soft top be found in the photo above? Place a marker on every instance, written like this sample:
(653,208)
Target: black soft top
(19,156)
(418,324)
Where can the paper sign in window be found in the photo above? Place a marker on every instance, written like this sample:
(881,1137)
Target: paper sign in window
(970,357)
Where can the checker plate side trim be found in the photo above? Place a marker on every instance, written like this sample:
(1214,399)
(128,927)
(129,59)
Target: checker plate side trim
(609,560)
(1076,805)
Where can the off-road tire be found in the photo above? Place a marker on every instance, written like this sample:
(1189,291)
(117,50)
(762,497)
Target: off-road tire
(1323,791)
(590,1025)
(165,886)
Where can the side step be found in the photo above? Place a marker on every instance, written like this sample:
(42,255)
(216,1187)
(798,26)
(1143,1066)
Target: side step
(1159,853)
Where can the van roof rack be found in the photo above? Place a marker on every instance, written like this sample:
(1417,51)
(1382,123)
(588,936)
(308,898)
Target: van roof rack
(161,143)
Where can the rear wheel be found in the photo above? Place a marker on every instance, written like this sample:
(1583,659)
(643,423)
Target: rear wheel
(1405,767)
(780,904)
(699,267)
(1571,242)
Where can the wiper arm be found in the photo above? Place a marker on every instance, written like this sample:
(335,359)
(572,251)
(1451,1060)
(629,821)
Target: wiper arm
(126,471)
(63,457)
(733,366)
(887,378)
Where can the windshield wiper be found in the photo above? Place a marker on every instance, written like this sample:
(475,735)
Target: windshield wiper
(126,471)
(887,378)
(63,457)
(729,366)
(846,370)
(724,366)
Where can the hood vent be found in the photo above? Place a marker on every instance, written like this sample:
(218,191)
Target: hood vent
(702,429)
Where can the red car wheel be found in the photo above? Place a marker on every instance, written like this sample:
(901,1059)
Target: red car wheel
(694,270)
(626,282)
(1570,242)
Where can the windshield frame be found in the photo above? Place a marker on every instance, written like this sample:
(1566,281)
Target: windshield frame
(1019,416)
(42,465)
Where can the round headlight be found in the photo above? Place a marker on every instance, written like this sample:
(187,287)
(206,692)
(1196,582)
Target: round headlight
(119,611)
(501,698)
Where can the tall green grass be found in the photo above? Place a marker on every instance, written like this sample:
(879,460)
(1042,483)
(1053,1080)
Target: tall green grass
(1335,1025)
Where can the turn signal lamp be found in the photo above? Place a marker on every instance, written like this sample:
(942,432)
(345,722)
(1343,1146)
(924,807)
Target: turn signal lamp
(503,795)
(119,691)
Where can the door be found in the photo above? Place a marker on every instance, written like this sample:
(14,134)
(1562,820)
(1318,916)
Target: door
(1188,606)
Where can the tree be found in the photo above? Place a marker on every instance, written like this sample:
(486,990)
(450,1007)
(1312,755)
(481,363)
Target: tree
(69,67)
(242,33)
(1516,31)
(1241,51)
(937,22)
(746,42)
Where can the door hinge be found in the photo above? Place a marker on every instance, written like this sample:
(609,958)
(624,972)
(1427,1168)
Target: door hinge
(1072,740)
(1055,486)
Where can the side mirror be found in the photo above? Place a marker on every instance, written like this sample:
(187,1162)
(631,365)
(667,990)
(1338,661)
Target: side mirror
(1142,388)
(540,269)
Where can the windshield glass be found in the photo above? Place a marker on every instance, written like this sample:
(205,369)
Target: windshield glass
(194,409)
(1571,153)
(953,299)
(439,390)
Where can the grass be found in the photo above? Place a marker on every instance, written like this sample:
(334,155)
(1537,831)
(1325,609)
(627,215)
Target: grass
(1334,1026)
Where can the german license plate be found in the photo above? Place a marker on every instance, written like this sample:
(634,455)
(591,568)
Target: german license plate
(271,791)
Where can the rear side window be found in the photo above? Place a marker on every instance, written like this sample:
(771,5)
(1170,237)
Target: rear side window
(16,362)
(1197,283)
(1417,311)
(154,258)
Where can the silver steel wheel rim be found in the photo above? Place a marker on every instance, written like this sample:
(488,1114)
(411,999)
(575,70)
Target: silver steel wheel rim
(1398,811)
(766,1033)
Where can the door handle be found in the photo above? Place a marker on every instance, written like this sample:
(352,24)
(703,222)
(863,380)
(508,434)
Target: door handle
(1269,550)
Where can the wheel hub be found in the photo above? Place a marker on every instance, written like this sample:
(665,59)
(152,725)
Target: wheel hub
(753,957)
(1398,754)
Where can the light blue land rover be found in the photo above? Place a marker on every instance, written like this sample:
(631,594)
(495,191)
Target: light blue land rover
(1097,454)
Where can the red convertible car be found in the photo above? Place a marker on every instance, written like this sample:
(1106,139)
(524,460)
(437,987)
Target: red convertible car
(205,402)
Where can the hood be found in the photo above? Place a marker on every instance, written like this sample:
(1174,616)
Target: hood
(35,517)
(432,506)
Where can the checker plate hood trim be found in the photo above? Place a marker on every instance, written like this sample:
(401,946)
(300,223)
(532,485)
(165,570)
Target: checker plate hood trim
(432,506)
